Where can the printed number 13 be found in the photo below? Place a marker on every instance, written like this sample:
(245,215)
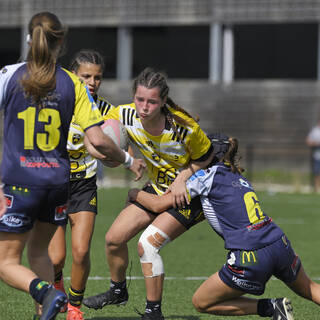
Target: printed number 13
(45,141)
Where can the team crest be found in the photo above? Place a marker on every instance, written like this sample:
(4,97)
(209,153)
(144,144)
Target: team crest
(4,70)
(9,200)
(76,138)
(61,212)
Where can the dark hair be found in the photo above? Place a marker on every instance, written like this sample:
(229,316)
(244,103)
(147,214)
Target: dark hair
(47,35)
(86,56)
(225,149)
(149,78)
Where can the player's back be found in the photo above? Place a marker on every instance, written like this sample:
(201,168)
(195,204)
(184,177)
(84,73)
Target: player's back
(35,135)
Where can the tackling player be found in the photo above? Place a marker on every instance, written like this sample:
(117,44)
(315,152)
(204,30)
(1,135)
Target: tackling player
(258,248)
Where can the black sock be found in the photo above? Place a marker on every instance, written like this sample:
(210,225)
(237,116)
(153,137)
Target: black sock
(58,276)
(265,308)
(153,306)
(118,287)
(75,297)
(38,288)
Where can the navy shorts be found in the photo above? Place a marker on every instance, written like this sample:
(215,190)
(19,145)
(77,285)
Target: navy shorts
(25,205)
(249,271)
(83,195)
(188,216)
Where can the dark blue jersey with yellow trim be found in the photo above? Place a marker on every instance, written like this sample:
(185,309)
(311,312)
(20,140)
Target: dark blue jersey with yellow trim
(232,208)
(35,138)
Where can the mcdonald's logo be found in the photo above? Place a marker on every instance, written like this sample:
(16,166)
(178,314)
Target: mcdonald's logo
(248,258)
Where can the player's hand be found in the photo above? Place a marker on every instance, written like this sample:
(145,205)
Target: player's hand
(179,193)
(3,203)
(138,167)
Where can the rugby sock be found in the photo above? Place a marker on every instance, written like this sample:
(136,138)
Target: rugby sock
(265,308)
(75,297)
(118,287)
(38,288)
(58,276)
(153,306)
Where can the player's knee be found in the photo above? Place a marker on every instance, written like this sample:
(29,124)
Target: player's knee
(150,243)
(198,304)
(80,254)
(114,241)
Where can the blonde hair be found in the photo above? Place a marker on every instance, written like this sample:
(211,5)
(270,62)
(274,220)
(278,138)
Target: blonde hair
(47,35)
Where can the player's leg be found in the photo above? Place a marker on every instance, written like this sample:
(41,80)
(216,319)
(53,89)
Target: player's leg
(128,223)
(305,287)
(38,257)
(82,226)
(215,297)
(164,228)
(11,270)
(57,253)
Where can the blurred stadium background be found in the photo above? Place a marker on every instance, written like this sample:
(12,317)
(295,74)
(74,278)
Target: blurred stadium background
(249,68)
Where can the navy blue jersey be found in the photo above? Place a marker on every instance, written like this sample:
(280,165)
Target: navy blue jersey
(232,208)
(35,138)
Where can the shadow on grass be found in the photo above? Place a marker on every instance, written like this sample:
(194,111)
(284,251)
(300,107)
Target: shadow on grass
(173,317)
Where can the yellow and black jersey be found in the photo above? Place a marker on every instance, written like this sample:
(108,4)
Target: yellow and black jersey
(168,153)
(83,165)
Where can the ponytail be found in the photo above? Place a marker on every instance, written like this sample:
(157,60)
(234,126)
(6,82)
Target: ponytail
(47,35)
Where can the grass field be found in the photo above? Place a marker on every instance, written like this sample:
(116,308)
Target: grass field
(188,260)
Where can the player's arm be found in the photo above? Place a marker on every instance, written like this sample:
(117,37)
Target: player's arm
(178,187)
(150,201)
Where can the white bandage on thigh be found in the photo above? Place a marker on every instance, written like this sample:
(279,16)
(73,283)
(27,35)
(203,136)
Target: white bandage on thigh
(152,240)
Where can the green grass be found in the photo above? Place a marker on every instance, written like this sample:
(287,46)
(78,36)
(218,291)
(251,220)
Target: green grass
(197,253)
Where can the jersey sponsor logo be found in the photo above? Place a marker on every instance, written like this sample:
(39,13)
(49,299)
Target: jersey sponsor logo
(166,176)
(60,212)
(15,220)
(76,138)
(155,157)
(38,162)
(248,258)
(246,284)
(77,175)
(182,134)
(127,116)
(241,183)
(9,200)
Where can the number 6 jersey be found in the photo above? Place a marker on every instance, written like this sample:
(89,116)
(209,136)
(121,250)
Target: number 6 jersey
(35,138)
(232,208)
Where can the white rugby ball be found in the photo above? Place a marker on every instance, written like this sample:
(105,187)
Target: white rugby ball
(118,133)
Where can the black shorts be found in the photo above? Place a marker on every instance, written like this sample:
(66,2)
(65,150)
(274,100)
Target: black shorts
(188,216)
(83,195)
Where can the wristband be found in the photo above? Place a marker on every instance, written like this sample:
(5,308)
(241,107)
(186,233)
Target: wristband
(128,160)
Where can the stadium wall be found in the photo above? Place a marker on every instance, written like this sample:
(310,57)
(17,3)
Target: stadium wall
(270,118)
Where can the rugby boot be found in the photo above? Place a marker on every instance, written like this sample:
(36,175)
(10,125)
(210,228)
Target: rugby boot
(53,301)
(282,309)
(107,298)
(59,285)
(74,313)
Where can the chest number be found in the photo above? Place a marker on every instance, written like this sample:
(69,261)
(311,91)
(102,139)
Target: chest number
(48,140)
(254,211)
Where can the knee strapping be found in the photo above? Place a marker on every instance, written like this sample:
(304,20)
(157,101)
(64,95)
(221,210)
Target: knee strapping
(151,241)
